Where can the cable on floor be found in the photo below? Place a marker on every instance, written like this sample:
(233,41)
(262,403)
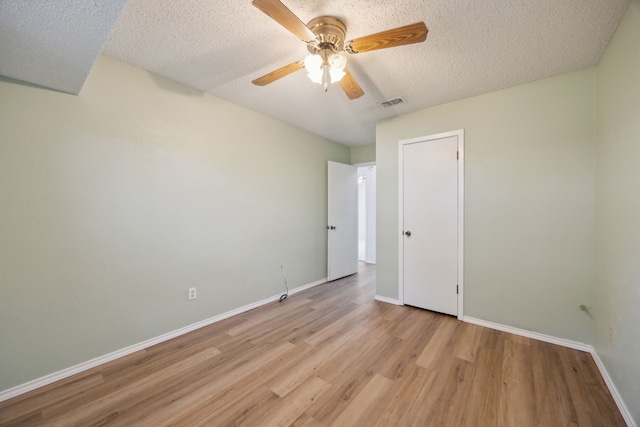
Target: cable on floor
(286,285)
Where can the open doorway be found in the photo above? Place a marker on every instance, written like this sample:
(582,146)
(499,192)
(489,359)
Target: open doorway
(367,213)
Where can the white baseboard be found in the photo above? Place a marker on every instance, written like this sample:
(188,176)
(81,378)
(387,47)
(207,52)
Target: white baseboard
(305,287)
(530,334)
(84,366)
(387,300)
(612,388)
(65,373)
(565,343)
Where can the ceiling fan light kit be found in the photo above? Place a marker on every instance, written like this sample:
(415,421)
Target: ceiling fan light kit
(323,70)
(325,39)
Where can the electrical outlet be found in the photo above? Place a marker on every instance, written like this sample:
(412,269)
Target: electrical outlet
(192,294)
(610,334)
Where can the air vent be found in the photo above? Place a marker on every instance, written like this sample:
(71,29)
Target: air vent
(392,102)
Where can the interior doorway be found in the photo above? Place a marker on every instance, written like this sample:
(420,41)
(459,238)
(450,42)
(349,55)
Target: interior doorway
(367,213)
(431,189)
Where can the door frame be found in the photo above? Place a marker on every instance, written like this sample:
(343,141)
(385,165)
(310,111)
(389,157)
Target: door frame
(460,137)
(369,237)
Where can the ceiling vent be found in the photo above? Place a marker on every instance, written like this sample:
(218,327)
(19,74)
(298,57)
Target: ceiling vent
(392,102)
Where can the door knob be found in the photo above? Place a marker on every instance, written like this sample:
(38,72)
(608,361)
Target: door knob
(332,227)
(407,233)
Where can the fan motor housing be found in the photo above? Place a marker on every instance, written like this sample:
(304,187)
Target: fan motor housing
(330,34)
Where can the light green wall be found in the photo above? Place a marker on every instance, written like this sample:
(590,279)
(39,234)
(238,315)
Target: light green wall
(117,201)
(363,154)
(529,201)
(617,288)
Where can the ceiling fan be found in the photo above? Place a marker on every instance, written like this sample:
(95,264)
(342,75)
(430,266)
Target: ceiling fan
(325,39)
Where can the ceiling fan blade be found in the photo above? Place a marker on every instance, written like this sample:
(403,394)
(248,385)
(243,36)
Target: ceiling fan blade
(350,87)
(283,16)
(414,33)
(278,74)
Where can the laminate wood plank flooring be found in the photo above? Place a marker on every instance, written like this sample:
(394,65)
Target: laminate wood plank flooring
(331,356)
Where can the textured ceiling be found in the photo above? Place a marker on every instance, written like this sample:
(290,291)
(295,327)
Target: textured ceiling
(54,43)
(473,47)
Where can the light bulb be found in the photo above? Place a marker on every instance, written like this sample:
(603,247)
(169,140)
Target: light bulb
(316,76)
(336,75)
(337,61)
(312,63)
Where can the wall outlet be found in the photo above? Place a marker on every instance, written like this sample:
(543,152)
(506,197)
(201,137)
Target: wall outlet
(611,334)
(192,294)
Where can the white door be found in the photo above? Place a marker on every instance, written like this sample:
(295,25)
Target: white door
(430,221)
(342,228)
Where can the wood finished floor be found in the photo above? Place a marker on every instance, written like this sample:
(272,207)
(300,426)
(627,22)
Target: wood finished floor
(331,356)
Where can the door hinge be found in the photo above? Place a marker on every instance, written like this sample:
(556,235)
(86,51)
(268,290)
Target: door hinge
(457,155)
(457,290)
